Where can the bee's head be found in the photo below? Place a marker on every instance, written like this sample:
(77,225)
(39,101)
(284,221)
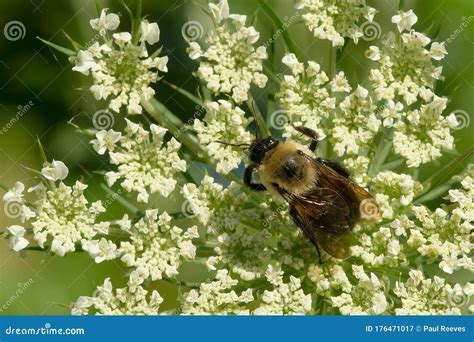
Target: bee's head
(259,148)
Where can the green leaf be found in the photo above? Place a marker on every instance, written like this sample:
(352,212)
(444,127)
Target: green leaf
(74,44)
(36,172)
(449,169)
(392,165)
(59,48)
(435,193)
(97,7)
(41,150)
(184,92)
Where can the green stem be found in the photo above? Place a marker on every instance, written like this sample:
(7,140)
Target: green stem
(280,26)
(332,62)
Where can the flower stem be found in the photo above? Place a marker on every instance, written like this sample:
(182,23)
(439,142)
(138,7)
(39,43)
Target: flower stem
(332,62)
(280,26)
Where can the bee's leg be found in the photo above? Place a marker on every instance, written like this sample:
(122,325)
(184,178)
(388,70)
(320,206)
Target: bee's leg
(310,134)
(248,179)
(319,254)
(335,166)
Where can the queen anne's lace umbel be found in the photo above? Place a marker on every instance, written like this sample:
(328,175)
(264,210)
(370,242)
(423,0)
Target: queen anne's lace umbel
(229,63)
(122,69)
(335,20)
(145,163)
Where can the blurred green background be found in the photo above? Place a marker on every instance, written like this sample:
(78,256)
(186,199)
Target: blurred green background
(32,73)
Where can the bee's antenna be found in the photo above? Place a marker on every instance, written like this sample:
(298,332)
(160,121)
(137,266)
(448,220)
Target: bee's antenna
(252,109)
(230,144)
(259,133)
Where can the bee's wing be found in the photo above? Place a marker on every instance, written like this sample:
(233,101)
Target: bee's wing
(327,213)
(325,218)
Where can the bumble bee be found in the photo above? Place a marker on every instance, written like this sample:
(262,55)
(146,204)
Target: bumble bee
(324,202)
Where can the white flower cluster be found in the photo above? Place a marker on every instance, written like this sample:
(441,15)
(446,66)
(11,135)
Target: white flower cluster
(442,234)
(121,68)
(424,134)
(155,249)
(122,302)
(285,298)
(306,96)
(217,297)
(145,164)
(214,207)
(223,124)
(61,213)
(354,124)
(421,296)
(366,297)
(405,63)
(394,192)
(230,63)
(258,262)
(335,20)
